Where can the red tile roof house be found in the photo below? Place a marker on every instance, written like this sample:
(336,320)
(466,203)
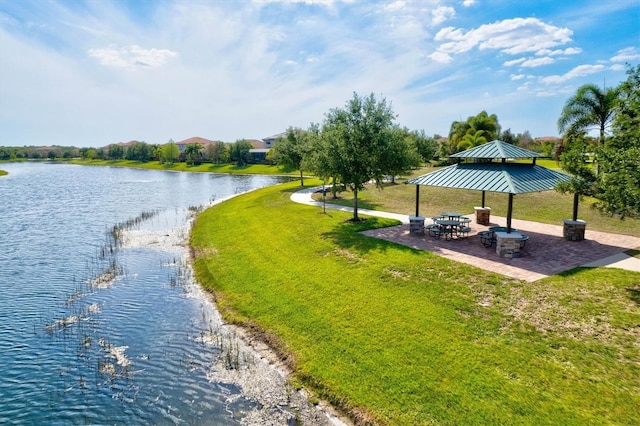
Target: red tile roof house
(196,139)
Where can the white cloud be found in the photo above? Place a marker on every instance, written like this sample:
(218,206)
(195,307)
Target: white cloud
(537,62)
(441,57)
(516,77)
(132,57)
(395,6)
(557,52)
(467,3)
(626,55)
(617,67)
(510,36)
(579,71)
(514,62)
(442,14)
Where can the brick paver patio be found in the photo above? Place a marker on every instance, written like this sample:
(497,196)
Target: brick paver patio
(546,253)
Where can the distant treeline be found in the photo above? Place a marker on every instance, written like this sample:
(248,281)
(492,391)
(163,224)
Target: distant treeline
(239,152)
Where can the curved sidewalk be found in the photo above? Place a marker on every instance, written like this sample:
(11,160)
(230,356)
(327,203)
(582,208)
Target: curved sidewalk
(304,197)
(546,253)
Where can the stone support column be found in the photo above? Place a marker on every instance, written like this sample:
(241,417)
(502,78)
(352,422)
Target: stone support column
(416,225)
(574,230)
(483,215)
(508,244)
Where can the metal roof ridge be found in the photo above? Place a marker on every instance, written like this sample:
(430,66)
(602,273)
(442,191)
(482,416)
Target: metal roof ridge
(498,144)
(507,178)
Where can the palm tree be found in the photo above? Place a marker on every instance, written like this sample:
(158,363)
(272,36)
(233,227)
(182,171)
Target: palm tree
(192,153)
(487,123)
(589,107)
(472,139)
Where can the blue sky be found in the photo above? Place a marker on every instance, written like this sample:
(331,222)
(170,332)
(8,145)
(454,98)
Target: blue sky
(91,73)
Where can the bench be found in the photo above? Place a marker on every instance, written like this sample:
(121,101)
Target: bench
(464,232)
(487,238)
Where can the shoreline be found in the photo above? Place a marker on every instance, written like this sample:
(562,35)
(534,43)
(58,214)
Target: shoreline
(258,369)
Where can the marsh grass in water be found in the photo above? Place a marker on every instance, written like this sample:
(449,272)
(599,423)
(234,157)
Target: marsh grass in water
(404,337)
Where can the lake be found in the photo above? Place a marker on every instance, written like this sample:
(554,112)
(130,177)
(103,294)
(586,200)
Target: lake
(100,320)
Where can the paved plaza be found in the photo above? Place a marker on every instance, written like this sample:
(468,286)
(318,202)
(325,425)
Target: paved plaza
(546,253)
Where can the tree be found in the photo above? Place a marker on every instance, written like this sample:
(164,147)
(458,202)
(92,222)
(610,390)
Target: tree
(589,107)
(359,136)
(400,155)
(484,122)
(472,139)
(240,152)
(169,153)
(456,132)
(525,140)
(487,123)
(508,137)
(290,150)
(575,161)
(424,145)
(217,152)
(116,152)
(193,153)
(619,180)
(140,151)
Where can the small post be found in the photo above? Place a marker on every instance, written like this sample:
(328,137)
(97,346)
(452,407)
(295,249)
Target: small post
(324,196)
(576,199)
(483,199)
(417,200)
(509,213)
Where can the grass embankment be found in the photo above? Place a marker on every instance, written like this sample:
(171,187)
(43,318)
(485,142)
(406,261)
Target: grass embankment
(3,172)
(406,337)
(261,169)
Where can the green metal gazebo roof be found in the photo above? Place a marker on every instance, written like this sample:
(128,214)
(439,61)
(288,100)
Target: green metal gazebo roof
(496,149)
(508,178)
(504,177)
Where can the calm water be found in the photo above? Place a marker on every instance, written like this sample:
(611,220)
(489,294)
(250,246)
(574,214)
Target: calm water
(93,332)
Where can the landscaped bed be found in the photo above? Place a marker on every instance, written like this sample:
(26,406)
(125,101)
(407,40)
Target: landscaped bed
(401,336)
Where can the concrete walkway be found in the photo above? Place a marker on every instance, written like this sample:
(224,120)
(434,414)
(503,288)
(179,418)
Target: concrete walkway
(546,253)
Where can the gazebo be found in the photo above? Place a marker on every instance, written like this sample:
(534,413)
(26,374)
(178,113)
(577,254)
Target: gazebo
(485,168)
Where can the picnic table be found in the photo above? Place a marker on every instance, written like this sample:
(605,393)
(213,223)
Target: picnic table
(450,228)
(451,215)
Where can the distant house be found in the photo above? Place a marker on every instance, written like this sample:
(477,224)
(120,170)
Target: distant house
(127,144)
(257,143)
(196,139)
(269,141)
(259,155)
(122,144)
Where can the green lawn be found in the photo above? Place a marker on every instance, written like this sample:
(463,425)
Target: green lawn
(406,337)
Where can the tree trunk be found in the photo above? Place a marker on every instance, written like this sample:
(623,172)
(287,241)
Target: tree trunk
(355,205)
(301,178)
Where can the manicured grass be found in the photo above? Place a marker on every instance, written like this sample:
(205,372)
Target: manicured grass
(405,337)
(546,207)
(3,172)
(261,169)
